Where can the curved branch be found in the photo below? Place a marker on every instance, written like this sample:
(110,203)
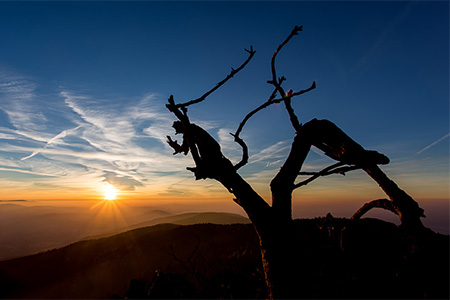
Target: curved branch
(244,159)
(274,73)
(229,76)
(250,114)
(382,203)
(286,97)
(240,141)
(269,102)
(407,208)
(287,101)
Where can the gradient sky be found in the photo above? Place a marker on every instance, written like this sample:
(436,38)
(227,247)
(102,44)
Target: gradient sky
(83,87)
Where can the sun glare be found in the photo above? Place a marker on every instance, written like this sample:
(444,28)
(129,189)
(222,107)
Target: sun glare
(110,192)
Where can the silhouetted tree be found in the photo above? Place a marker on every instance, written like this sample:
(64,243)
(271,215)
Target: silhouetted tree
(273,224)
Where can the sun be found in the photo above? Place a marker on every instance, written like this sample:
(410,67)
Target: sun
(110,192)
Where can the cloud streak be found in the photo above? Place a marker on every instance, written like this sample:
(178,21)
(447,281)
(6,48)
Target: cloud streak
(274,152)
(87,140)
(434,143)
(54,139)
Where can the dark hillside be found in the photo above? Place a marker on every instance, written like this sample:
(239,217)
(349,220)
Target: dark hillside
(101,268)
(181,219)
(336,258)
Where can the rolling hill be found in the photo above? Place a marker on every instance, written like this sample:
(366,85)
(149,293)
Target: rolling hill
(335,258)
(28,230)
(104,267)
(183,219)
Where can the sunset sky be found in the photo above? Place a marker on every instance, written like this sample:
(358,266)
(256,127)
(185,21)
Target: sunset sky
(83,88)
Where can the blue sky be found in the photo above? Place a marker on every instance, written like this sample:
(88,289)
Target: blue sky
(83,87)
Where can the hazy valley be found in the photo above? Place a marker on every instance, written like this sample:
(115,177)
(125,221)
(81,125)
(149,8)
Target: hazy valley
(30,228)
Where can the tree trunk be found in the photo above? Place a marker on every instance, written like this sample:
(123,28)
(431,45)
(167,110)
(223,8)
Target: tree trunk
(274,233)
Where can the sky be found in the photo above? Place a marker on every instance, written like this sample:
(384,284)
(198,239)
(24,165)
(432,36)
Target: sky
(83,88)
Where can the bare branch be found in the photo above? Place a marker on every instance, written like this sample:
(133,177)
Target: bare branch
(274,73)
(333,169)
(189,260)
(251,53)
(269,102)
(313,86)
(382,203)
(244,159)
(250,114)
(172,253)
(240,141)
(277,84)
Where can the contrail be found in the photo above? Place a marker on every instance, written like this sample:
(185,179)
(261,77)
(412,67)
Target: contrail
(431,145)
(62,134)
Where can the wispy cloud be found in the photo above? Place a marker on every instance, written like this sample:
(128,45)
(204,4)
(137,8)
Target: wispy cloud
(274,152)
(54,139)
(26,172)
(85,139)
(18,101)
(113,140)
(434,143)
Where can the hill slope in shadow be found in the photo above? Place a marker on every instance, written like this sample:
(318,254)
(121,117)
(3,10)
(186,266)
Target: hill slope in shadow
(335,258)
(104,267)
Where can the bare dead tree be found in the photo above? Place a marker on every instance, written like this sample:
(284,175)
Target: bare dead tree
(273,224)
(196,262)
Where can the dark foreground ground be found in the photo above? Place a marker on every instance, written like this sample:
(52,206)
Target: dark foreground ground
(335,258)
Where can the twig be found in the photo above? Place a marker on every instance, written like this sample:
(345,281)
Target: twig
(233,72)
(333,169)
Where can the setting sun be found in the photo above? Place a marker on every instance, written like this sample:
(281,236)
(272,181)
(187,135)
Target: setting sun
(110,192)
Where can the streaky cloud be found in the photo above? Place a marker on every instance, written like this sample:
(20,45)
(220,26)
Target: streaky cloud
(272,152)
(18,96)
(26,172)
(60,135)
(434,143)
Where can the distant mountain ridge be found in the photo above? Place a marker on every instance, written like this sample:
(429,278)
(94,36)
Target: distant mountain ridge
(183,219)
(31,229)
(12,201)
